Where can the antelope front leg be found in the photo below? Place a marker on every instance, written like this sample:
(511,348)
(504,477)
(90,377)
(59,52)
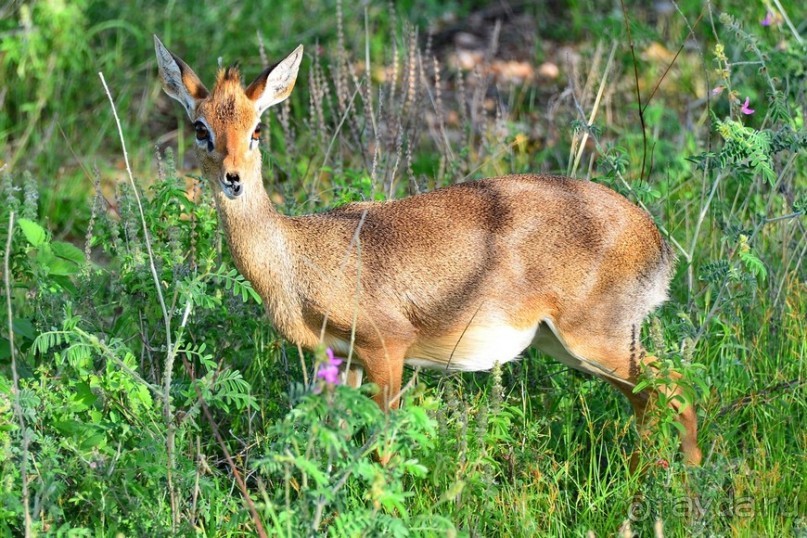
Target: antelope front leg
(352,375)
(384,367)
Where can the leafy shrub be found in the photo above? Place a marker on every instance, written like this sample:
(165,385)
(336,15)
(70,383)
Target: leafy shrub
(143,393)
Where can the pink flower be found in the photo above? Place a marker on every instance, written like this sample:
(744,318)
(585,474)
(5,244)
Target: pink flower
(329,370)
(746,109)
(717,90)
(768,20)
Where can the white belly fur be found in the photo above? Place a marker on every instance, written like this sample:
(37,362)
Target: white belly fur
(480,348)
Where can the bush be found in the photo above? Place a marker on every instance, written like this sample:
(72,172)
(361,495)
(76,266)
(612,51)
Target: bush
(142,393)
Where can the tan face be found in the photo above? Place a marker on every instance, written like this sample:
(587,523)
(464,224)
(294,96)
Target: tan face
(227,131)
(226,121)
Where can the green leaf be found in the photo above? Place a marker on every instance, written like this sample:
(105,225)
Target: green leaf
(68,252)
(65,283)
(58,258)
(641,385)
(24,328)
(33,232)
(754,264)
(61,267)
(310,468)
(44,256)
(94,440)
(68,427)
(83,398)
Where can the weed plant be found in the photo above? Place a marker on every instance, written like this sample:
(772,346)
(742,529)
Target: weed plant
(142,392)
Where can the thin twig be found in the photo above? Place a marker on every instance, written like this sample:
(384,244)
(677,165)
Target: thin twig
(171,426)
(303,365)
(594,108)
(675,58)
(16,377)
(638,92)
(353,241)
(110,354)
(702,215)
(361,453)
(726,280)
(784,217)
(799,259)
(785,386)
(369,72)
(166,318)
(352,345)
(406,388)
(793,29)
(333,139)
(240,481)
(153,268)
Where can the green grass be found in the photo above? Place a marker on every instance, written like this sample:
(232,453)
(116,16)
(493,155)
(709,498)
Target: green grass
(105,445)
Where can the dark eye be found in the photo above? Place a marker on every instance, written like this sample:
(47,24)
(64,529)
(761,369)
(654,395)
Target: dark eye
(201,131)
(256,134)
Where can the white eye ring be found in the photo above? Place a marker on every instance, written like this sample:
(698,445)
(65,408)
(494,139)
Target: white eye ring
(255,137)
(204,136)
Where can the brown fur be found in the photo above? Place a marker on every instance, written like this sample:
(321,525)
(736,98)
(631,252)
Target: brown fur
(430,277)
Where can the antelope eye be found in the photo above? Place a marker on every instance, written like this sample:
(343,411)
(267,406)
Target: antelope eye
(201,131)
(256,134)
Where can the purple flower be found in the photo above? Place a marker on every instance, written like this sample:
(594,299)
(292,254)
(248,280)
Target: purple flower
(768,20)
(329,370)
(746,109)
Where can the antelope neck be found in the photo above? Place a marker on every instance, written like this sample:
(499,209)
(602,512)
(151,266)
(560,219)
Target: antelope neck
(259,241)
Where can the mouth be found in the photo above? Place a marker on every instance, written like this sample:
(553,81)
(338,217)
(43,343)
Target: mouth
(231,190)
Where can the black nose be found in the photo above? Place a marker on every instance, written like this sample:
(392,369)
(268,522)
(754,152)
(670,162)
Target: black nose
(232,178)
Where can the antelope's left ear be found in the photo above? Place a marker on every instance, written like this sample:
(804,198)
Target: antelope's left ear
(274,84)
(179,81)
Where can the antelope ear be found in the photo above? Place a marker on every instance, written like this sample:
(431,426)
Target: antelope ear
(275,83)
(179,81)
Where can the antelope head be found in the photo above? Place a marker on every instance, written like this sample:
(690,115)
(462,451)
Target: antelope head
(227,121)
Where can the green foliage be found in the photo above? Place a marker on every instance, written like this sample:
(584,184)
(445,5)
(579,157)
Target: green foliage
(108,420)
(87,334)
(327,449)
(745,149)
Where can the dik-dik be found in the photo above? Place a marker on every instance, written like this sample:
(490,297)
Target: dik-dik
(459,278)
